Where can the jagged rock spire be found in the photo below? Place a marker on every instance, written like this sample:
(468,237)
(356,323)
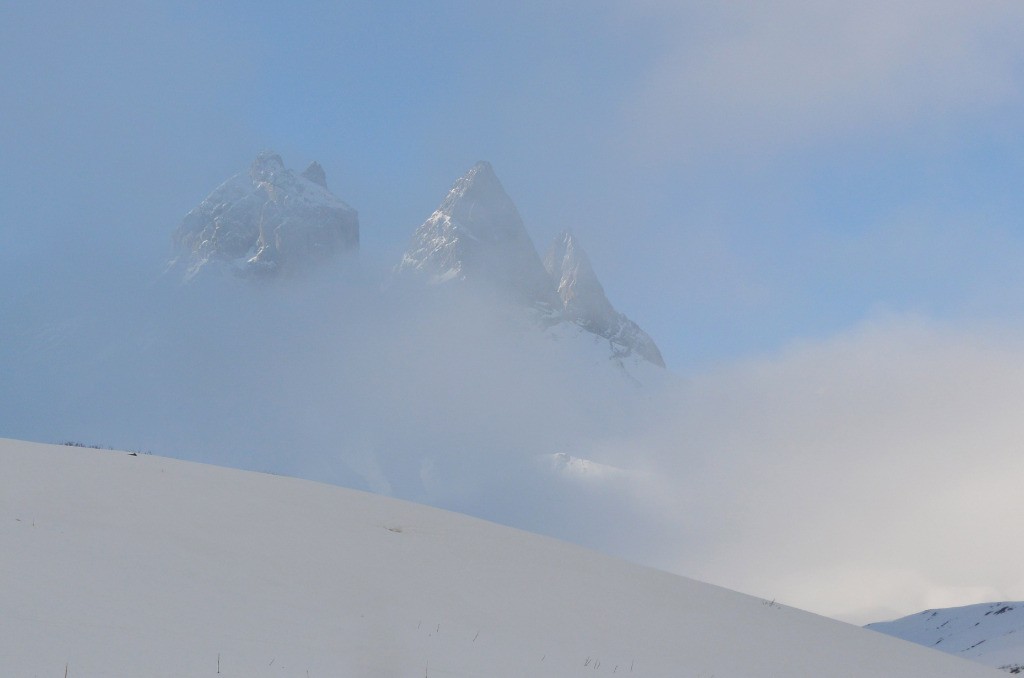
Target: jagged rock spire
(268,221)
(477,235)
(584,301)
(315,173)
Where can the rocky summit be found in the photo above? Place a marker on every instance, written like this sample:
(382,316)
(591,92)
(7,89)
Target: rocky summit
(271,222)
(266,222)
(477,237)
(584,301)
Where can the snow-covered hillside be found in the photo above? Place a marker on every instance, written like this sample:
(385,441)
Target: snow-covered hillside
(990,633)
(120,565)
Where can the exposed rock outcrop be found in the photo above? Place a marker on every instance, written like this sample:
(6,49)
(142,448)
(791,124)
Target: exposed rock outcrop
(266,222)
(584,301)
(477,237)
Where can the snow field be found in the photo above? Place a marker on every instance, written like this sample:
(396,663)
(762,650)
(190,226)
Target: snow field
(120,565)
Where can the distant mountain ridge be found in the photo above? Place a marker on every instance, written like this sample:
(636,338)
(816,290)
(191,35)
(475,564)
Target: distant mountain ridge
(989,633)
(270,222)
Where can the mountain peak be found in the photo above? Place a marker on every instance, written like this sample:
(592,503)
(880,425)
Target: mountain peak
(266,166)
(478,199)
(482,171)
(482,166)
(584,301)
(315,173)
(477,235)
(266,222)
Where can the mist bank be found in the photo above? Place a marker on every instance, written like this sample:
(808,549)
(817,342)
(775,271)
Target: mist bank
(862,476)
(442,395)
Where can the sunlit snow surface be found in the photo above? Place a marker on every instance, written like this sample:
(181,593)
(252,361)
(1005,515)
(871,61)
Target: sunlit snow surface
(991,633)
(120,565)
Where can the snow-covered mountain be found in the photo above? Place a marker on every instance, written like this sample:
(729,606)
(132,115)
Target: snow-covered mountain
(268,221)
(477,237)
(989,633)
(121,565)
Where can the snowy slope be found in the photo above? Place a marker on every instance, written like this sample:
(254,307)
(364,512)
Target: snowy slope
(990,633)
(118,565)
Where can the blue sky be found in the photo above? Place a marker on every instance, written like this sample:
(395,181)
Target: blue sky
(814,207)
(742,176)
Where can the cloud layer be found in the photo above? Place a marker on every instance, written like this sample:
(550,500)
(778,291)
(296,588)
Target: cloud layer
(749,77)
(864,476)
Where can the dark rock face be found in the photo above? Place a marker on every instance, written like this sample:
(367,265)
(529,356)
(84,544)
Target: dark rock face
(266,222)
(315,173)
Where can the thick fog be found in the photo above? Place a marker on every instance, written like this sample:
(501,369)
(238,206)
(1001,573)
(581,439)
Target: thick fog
(346,376)
(862,476)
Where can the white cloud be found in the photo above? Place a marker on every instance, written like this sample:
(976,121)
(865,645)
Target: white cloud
(867,476)
(767,75)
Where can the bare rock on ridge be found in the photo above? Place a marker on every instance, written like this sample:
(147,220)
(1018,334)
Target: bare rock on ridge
(266,222)
(584,301)
(476,235)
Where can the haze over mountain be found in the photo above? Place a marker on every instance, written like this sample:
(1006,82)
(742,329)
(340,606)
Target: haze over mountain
(477,237)
(463,397)
(813,208)
(270,222)
(462,379)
